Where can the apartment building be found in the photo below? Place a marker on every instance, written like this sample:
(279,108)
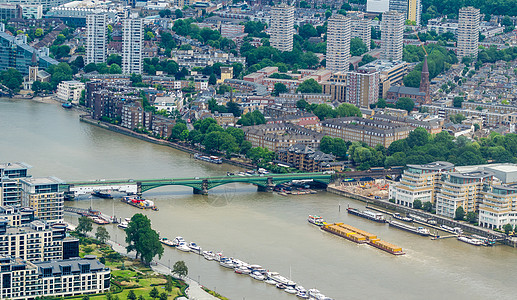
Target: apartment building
(44,196)
(96,38)
(360,27)
(276,137)
(336,87)
(70,91)
(282,27)
(468,32)
(363,87)
(419,182)
(61,278)
(133,116)
(461,189)
(391,73)
(306,159)
(132,37)
(432,126)
(488,118)
(498,207)
(16,216)
(10,186)
(371,132)
(338,43)
(392,30)
(414,11)
(400,6)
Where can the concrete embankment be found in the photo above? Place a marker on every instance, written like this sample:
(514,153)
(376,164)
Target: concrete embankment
(144,137)
(439,219)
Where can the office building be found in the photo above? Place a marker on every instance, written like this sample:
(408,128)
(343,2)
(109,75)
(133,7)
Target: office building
(371,132)
(360,27)
(35,241)
(282,27)
(338,43)
(132,36)
(419,182)
(44,196)
(468,32)
(377,6)
(414,11)
(362,87)
(56,279)
(392,29)
(400,6)
(96,38)
(10,11)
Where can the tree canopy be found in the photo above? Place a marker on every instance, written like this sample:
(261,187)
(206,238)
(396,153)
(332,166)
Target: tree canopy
(141,238)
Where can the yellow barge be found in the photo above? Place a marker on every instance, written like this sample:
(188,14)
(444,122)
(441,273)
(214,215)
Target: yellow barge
(337,229)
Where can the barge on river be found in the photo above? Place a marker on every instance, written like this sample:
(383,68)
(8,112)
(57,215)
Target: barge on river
(211,159)
(370,215)
(417,230)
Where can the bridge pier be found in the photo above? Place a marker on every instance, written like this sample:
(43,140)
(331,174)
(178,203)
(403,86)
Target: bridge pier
(204,188)
(139,189)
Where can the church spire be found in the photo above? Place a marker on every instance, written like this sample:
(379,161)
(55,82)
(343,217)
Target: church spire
(424,82)
(34,60)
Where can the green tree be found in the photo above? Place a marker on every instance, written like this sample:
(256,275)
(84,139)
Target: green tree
(12,79)
(115,69)
(459,214)
(163,296)
(114,59)
(507,228)
(169,285)
(141,238)
(357,47)
(427,206)
(154,293)
(102,234)
(457,101)
(212,80)
(131,295)
(38,32)
(472,217)
(412,79)
(91,67)
(417,204)
(280,88)
(405,103)
(309,86)
(180,268)
(84,226)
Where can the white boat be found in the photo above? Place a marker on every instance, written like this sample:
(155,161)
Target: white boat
(270,281)
(178,240)
(123,225)
(227,263)
(467,240)
(283,280)
(290,290)
(280,286)
(242,270)
(167,242)
(316,220)
(257,276)
(258,269)
(313,292)
(218,256)
(194,248)
(127,220)
(302,295)
(240,263)
(300,288)
(183,247)
(208,255)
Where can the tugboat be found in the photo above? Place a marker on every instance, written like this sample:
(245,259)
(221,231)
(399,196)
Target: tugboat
(316,220)
(100,194)
(67,105)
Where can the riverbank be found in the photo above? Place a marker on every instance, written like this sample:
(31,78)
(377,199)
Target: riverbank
(339,190)
(145,137)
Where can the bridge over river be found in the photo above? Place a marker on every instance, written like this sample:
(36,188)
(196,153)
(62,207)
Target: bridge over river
(199,185)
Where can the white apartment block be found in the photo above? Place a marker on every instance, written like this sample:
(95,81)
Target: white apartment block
(132,36)
(338,43)
(377,6)
(61,278)
(468,32)
(46,4)
(360,27)
(419,182)
(392,30)
(362,87)
(32,11)
(70,91)
(498,207)
(44,196)
(282,27)
(96,38)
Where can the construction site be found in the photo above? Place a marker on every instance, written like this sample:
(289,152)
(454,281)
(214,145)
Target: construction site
(375,189)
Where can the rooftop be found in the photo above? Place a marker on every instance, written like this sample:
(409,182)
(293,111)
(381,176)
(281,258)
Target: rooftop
(434,166)
(42,180)
(14,166)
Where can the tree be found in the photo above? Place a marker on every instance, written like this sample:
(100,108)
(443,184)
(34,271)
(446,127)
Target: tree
(115,69)
(427,206)
(507,228)
(38,32)
(417,204)
(457,118)
(163,296)
(212,80)
(178,13)
(131,295)
(141,238)
(457,101)
(102,234)
(11,78)
(412,79)
(154,293)
(280,88)
(85,225)
(309,86)
(417,137)
(79,62)
(114,59)
(405,103)
(180,268)
(169,285)
(90,68)
(459,214)
(357,47)
(472,217)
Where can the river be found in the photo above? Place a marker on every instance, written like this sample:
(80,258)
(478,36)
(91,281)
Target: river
(256,227)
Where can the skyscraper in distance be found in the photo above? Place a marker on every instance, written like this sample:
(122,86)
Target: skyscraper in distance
(414,10)
(468,32)
(132,36)
(282,27)
(392,30)
(96,36)
(338,43)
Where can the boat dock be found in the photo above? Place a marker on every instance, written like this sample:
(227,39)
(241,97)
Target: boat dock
(439,237)
(90,213)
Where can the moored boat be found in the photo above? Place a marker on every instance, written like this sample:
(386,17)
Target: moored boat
(123,225)
(194,248)
(66,105)
(178,240)
(290,290)
(471,241)
(242,270)
(374,216)
(227,263)
(302,295)
(316,220)
(418,230)
(257,276)
(400,217)
(183,247)
(270,281)
(100,194)
(208,255)
(167,242)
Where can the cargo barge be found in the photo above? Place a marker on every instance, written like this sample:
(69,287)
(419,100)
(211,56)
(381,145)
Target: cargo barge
(370,215)
(417,230)
(100,194)
(388,247)
(337,229)
(139,202)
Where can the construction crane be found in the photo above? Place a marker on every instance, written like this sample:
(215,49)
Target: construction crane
(422,44)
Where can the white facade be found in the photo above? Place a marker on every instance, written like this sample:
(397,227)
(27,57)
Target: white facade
(498,207)
(44,196)
(338,43)
(70,91)
(378,6)
(132,36)
(360,27)
(282,27)
(468,32)
(32,11)
(96,38)
(392,33)
(46,4)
